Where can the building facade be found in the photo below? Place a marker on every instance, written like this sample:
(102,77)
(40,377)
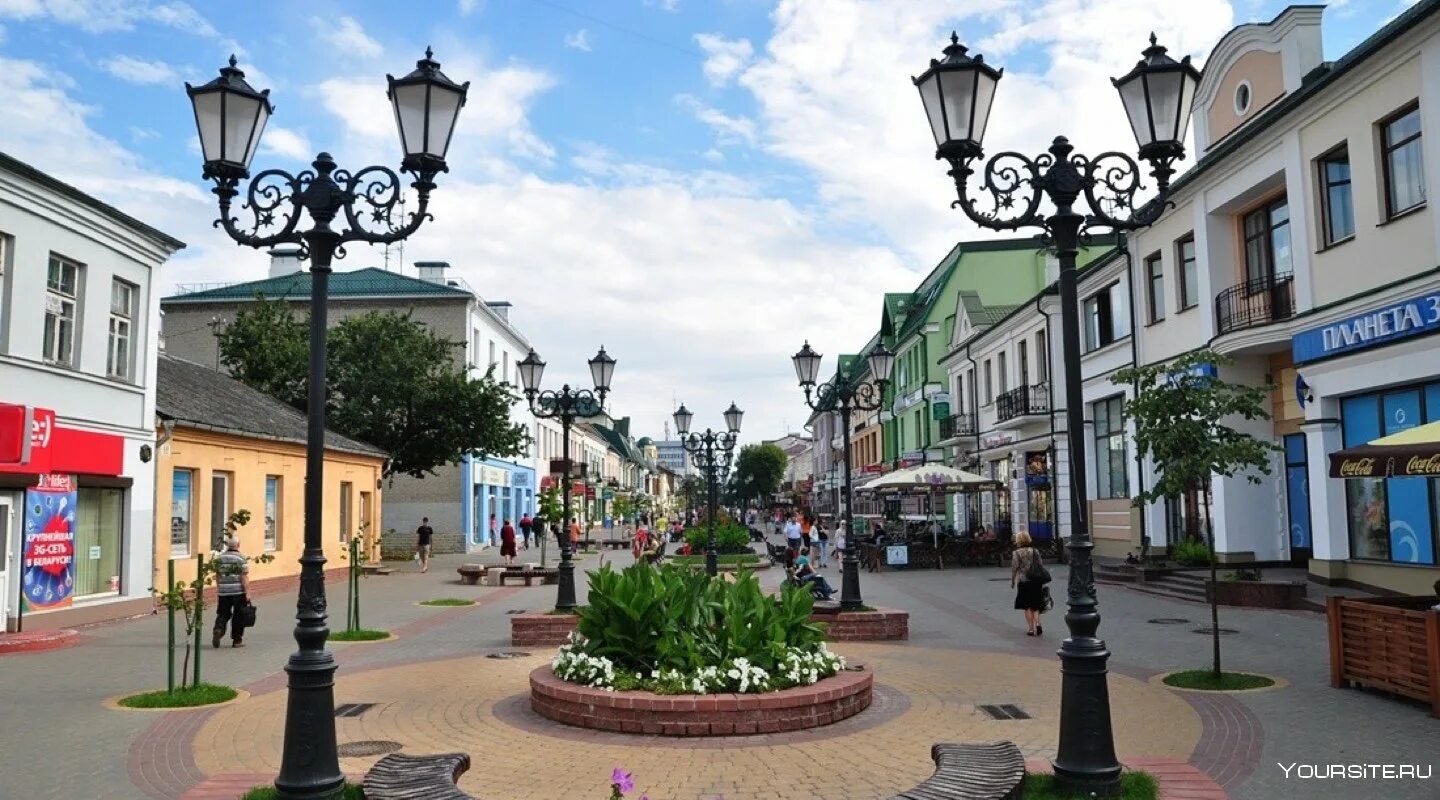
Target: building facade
(77,399)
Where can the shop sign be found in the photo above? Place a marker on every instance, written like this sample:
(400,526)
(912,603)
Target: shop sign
(607,494)
(494,476)
(996,439)
(25,435)
(939,405)
(1413,317)
(48,581)
(547,482)
(520,480)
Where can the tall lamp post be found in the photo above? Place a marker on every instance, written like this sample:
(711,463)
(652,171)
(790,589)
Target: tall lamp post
(957,92)
(713,452)
(566,405)
(230,116)
(839,394)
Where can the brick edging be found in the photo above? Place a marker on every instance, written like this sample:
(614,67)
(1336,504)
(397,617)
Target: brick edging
(37,641)
(882,624)
(802,707)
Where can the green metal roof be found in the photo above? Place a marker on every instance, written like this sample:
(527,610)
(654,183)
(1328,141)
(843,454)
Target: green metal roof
(367,282)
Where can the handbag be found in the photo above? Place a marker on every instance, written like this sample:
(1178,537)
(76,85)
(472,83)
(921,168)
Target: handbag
(1037,572)
(246,615)
(1049,601)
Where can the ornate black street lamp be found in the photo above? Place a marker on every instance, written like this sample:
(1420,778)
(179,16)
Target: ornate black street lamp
(566,405)
(230,116)
(713,452)
(842,395)
(957,92)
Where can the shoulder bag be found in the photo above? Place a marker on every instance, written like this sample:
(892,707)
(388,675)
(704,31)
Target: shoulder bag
(1037,572)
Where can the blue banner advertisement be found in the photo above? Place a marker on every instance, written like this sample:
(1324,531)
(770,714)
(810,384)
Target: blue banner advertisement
(48,580)
(1412,317)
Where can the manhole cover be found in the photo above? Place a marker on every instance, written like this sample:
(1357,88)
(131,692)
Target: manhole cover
(367,748)
(1168,621)
(352,709)
(508,654)
(1004,711)
(1209,630)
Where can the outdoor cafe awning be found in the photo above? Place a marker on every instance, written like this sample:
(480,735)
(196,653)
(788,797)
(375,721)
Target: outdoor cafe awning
(927,478)
(1414,453)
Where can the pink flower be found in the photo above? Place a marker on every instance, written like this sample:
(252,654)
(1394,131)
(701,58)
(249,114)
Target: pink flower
(622,780)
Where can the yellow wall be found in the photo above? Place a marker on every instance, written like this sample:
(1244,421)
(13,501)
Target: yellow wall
(249,461)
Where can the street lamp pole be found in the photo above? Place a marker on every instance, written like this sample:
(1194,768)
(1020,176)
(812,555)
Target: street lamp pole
(714,451)
(230,116)
(957,92)
(842,395)
(566,405)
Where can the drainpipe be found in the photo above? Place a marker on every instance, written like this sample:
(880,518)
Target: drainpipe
(167,432)
(1050,391)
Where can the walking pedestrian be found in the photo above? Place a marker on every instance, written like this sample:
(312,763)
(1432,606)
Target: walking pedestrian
(527,527)
(820,550)
(423,535)
(1030,589)
(839,540)
(232,590)
(507,542)
(792,539)
(494,531)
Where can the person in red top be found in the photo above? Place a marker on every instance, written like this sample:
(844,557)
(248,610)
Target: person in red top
(507,542)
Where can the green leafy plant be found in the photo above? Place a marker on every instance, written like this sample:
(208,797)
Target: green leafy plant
(730,537)
(1190,553)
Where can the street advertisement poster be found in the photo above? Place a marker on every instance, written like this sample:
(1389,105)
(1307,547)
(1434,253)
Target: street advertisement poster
(897,555)
(49,546)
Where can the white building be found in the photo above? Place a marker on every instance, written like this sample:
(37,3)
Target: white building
(77,367)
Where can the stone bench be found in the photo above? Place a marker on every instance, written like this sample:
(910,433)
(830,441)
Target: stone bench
(402,777)
(986,771)
(550,575)
(470,574)
(615,544)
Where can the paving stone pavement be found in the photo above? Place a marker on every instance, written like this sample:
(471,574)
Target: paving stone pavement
(437,693)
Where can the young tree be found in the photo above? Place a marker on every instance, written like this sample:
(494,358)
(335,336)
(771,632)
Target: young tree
(758,471)
(392,383)
(1182,413)
(548,516)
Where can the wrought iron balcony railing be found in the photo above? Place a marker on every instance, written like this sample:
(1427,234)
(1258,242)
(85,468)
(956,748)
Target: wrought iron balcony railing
(1255,303)
(1022,401)
(957,425)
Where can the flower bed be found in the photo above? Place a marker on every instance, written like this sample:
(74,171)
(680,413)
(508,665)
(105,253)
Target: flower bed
(797,666)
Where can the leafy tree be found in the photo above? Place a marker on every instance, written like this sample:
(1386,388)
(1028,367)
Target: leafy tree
(548,516)
(758,471)
(392,383)
(1182,419)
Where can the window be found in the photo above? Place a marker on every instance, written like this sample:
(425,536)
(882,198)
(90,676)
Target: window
(475,347)
(1155,288)
(1107,317)
(1042,357)
(345,492)
(1267,242)
(960,394)
(1111,475)
(1004,373)
(1403,162)
(1024,364)
(989,385)
(182,506)
(492,352)
(272,513)
(1243,97)
(974,389)
(99,531)
(1336,208)
(219,508)
(1391,519)
(505,367)
(62,291)
(122,312)
(1189,277)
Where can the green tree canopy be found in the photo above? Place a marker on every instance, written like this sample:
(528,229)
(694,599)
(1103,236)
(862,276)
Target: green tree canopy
(392,383)
(758,471)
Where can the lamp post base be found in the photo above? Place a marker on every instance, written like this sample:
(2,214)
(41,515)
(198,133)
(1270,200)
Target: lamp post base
(712,562)
(565,591)
(850,584)
(311,767)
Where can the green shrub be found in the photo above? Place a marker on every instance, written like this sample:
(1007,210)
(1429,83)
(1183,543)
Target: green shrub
(730,537)
(1190,553)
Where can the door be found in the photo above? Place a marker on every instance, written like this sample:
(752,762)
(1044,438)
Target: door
(219,509)
(7,603)
(1297,498)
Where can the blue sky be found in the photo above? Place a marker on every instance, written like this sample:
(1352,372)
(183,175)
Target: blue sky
(698,185)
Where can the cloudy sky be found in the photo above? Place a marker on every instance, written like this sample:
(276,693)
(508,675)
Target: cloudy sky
(697,184)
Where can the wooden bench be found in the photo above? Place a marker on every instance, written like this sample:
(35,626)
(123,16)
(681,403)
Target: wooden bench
(549,575)
(616,544)
(402,777)
(986,771)
(470,574)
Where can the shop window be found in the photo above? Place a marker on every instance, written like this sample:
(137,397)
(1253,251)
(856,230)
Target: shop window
(122,315)
(345,496)
(1267,244)
(1189,274)
(62,292)
(273,484)
(1389,519)
(182,508)
(1336,207)
(1403,162)
(1111,476)
(1107,317)
(221,504)
(99,532)
(1155,288)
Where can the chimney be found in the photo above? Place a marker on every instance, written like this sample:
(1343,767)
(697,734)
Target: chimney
(501,308)
(284,260)
(433,271)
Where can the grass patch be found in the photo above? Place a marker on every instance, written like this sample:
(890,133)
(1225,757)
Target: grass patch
(447,601)
(352,792)
(726,558)
(206,694)
(1133,786)
(1205,679)
(362,635)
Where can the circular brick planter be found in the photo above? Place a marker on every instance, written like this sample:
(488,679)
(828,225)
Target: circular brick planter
(829,701)
(882,624)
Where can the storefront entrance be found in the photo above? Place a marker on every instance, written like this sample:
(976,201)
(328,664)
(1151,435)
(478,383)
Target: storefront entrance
(7,544)
(1297,497)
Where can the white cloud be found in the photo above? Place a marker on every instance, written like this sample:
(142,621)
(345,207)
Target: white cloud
(728,129)
(139,70)
(347,37)
(468,7)
(666,5)
(579,40)
(104,16)
(713,156)
(286,143)
(724,57)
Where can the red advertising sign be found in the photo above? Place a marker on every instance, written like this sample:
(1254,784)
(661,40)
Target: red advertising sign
(25,434)
(53,448)
(547,482)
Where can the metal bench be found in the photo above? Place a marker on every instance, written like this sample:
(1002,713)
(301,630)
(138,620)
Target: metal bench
(402,777)
(985,771)
(548,575)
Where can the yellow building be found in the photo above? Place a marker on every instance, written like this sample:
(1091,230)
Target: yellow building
(224,446)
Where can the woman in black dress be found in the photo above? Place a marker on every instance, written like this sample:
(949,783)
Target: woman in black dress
(1030,595)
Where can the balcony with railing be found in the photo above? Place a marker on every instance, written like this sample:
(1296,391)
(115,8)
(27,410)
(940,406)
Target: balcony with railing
(1022,401)
(1255,303)
(956,426)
